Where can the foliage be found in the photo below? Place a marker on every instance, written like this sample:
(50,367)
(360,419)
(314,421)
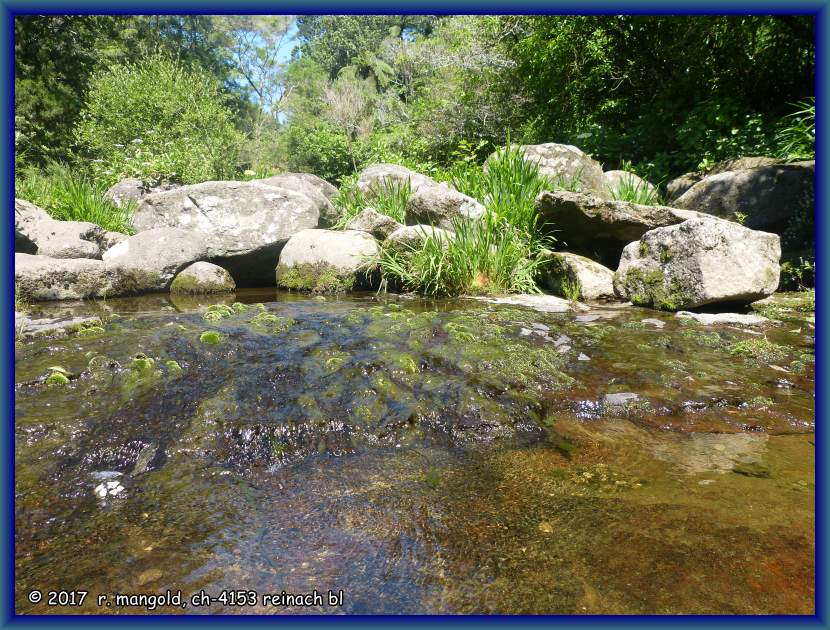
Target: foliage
(631,188)
(158,121)
(56,56)
(507,186)
(69,196)
(387,197)
(484,257)
(796,135)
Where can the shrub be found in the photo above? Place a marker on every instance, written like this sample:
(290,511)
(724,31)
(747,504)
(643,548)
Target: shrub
(388,197)
(70,196)
(507,186)
(485,257)
(158,121)
(796,135)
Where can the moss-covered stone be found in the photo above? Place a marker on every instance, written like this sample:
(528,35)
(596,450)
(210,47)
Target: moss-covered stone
(211,337)
(316,278)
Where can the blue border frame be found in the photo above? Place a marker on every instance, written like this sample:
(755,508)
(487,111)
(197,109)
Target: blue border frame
(9,8)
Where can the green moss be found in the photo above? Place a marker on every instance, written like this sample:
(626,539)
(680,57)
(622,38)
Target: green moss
(703,338)
(190,286)
(211,337)
(142,362)
(653,289)
(665,254)
(173,366)
(271,323)
(644,250)
(217,312)
(239,307)
(317,278)
(57,379)
(759,350)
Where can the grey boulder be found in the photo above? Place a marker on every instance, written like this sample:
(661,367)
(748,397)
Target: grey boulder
(370,220)
(125,191)
(765,197)
(58,239)
(247,223)
(577,277)
(676,187)
(441,205)
(45,278)
(326,261)
(162,252)
(700,261)
(600,228)
(315,188)
(374,177)
(565,165)
(202,277)
(617,182)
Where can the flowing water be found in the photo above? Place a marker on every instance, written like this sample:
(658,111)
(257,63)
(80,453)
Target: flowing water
(421,456)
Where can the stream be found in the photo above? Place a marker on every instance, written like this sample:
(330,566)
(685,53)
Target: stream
(422,456)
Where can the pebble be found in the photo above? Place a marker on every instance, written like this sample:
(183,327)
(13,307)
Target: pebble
(620,398)
(545,527)
(539,326)
(150,575)
(587,318)
(654,322)
(583,357)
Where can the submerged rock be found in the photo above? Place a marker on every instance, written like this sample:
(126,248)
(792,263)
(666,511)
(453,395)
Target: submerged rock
(202,277)
(542,303)
(441,205)
(576,277)
(601,229)
(700,261)
(709,319)
(370,220)
(326,261)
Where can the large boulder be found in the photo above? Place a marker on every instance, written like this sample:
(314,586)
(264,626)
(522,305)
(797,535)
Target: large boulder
(125,191)
(247,223)
(411,237)
(318,183)
(764,197)
(326,261)
(58,239)
(370,220)
(601,228)
(576,277)
(317,189)
(441,205)
(697,262)
(617,182)
(45,278)
(566,165)
(676,187)
(373,177)
(163,252)
(202,277)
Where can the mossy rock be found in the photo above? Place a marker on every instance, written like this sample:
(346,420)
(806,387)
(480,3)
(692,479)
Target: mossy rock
(315,278)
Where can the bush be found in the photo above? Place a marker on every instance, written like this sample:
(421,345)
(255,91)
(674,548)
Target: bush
(69,196)
(388,197)
(507,187)
(485,257)
(158,121)
(796,135)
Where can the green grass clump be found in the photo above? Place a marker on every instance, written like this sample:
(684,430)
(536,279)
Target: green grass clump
(386,196)
(759,350)
(71,196)
(485,257)
(634,190)
(507,187)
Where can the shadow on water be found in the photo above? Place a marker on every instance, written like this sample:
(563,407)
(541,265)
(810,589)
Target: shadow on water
(422,456)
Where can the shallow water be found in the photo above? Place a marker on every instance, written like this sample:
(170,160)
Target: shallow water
(422,456)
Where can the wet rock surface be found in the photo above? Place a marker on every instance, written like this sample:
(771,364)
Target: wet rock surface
(425,456)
